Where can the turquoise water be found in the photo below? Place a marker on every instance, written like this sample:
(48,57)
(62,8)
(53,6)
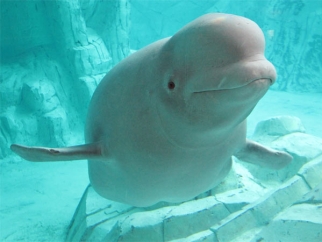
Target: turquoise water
(54,54)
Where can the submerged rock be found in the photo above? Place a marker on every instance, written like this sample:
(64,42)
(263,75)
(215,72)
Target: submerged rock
(278,126)
(285,133)
(301,222)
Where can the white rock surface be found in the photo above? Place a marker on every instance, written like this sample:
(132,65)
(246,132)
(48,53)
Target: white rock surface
(204,236)
(193,217)
(301,222)
(270,129)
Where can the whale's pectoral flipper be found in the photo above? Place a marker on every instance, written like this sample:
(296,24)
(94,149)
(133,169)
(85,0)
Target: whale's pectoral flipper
(258,154)
(80,152)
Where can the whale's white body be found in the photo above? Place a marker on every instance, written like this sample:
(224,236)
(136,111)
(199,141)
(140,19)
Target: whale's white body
(163,124)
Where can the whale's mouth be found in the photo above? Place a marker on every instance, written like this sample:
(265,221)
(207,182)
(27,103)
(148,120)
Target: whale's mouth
(266,81)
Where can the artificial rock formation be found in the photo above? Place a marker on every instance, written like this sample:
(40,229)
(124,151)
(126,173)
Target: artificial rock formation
(247,206)
(53,55)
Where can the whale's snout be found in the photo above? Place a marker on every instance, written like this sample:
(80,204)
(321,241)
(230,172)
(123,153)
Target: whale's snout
(267,71)
(246,72)
(234,76)
(261,84)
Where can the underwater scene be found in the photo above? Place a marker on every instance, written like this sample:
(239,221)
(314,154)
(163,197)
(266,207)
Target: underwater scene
(161,120)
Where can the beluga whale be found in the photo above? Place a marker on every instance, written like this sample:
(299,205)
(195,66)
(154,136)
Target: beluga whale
(164,123)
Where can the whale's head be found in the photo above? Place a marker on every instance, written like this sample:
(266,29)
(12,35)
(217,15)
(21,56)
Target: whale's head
(213,74)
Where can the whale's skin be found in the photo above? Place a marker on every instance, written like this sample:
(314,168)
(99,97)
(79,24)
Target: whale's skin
(164,123)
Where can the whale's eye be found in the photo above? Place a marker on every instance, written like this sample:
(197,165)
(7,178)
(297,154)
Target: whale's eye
(171,85)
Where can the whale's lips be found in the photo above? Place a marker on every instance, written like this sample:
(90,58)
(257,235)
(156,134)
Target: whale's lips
(264,81)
